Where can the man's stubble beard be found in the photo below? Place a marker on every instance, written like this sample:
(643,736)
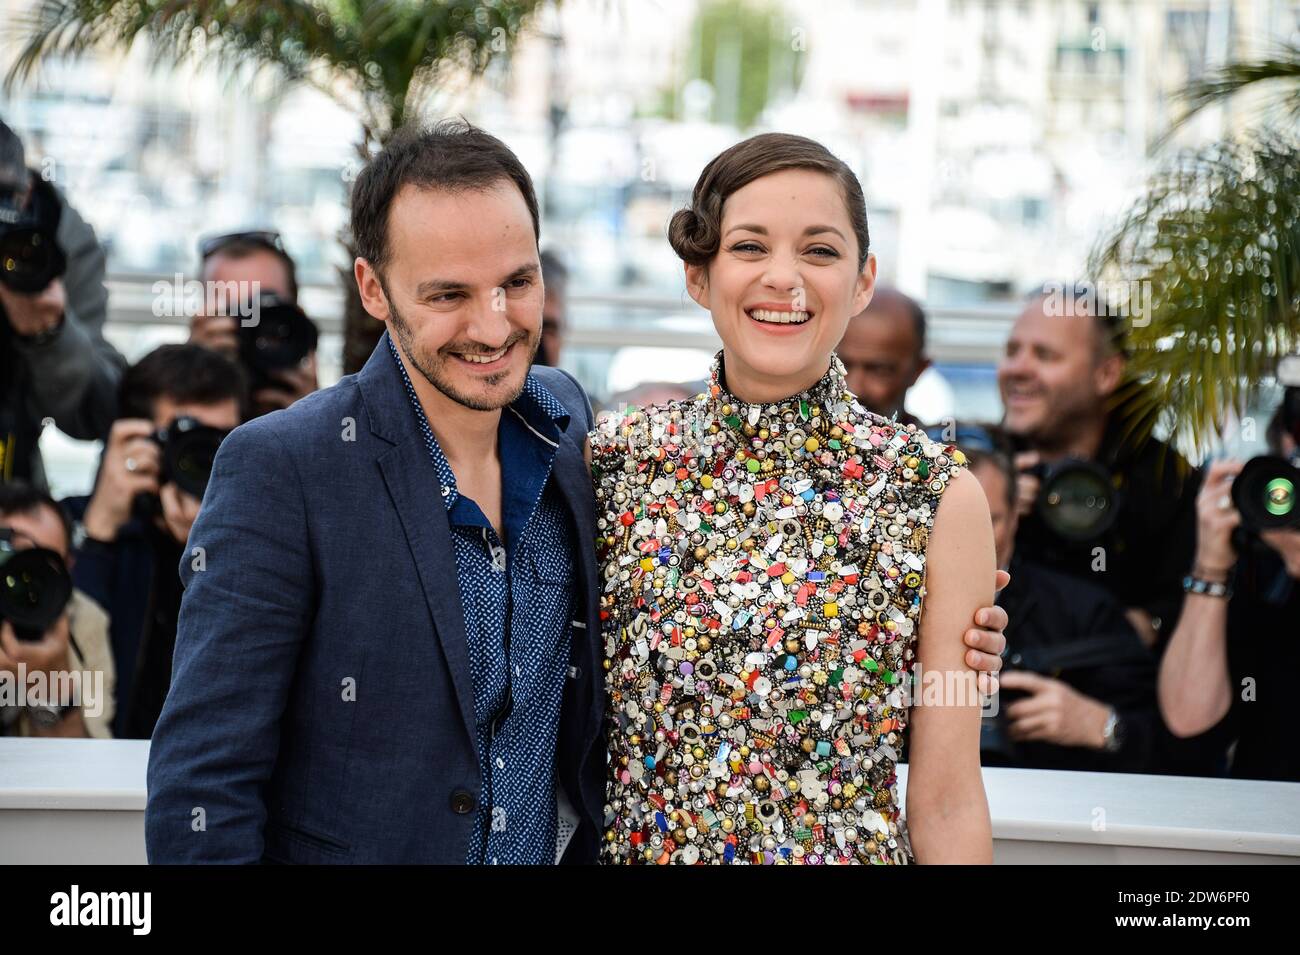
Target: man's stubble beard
(1060,427)
(429,370)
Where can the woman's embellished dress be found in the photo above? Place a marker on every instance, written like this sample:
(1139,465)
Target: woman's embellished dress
(764,567)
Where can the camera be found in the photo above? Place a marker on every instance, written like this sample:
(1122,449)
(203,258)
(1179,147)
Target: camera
(1061,661)
(188,449)
(35,587)
(30,256)
(1077,500)
(279,340)
(1265,491)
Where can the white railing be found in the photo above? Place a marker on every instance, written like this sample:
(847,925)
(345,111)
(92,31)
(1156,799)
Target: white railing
(82,802)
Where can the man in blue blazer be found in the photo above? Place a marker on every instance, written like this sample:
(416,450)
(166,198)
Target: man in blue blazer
(387,648)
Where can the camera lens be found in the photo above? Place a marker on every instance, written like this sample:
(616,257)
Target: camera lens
(280,339)
(189,448)
(1279,497)
(1077,501)
(1265,493)
(30,259)
(34,588)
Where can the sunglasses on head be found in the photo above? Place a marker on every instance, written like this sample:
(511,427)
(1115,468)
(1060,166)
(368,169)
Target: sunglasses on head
(212,244)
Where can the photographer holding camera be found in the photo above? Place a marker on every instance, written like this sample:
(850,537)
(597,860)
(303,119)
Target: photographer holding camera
(48,629)
(54,361)
(1232,662)
(1093,503)
(277,343)
(1077,691)
(177,404)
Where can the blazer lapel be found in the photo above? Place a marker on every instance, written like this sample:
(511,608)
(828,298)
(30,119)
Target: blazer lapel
(574,478)
(413,486)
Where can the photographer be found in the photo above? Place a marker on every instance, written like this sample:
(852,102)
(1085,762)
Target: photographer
(1232,662)
(54,361)
(1078,689)
(1061,369)
(75,640)
(555,309)
(237,268)
(883,351)
(176,404)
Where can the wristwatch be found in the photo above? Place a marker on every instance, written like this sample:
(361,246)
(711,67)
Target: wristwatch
(1113,733)
(44,716)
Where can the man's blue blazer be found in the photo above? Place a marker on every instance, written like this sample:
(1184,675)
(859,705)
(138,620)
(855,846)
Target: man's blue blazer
(321,702)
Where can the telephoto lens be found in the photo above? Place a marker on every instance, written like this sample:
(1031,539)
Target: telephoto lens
(34,587)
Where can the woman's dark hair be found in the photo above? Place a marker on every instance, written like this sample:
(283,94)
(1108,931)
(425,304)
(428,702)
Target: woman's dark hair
(188,374)
(452,154)
(696,231)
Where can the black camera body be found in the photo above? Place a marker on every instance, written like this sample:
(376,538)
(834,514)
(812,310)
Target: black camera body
(1265,492)
(35,587)
(280,338)
(30,255)
(188,449)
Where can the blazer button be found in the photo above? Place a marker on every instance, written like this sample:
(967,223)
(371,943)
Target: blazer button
(462,802)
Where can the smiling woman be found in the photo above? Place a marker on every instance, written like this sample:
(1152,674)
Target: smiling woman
(766,545)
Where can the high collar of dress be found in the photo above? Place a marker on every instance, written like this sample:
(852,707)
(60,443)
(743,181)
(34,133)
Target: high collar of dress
(830,389)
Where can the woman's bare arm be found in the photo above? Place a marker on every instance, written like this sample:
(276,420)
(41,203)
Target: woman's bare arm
(947,811)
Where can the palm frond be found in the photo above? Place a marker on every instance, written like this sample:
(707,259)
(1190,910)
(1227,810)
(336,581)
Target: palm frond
(381,47)
(289,34)
(1216,240)
(1280,68)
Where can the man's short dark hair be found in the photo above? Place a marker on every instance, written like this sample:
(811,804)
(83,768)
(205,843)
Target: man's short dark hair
(452,155)
(554,271)
(19,497)
(884,295)
(243,248)
(1088,299)
(189,374)
(13,158)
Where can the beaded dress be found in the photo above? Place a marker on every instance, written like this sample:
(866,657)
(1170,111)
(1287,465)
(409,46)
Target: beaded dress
(763,568)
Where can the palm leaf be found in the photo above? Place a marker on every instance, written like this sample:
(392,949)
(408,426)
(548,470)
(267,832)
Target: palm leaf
(383,49)
(1217,240)
(1280,69)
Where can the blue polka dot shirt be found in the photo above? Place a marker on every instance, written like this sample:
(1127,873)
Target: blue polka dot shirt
(517,603)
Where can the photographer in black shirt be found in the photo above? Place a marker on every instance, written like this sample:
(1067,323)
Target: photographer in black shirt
(54,361)
(1233,660)
(1093,503)
(1077,690)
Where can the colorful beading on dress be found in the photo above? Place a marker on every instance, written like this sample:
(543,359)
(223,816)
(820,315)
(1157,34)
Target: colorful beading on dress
(764,570)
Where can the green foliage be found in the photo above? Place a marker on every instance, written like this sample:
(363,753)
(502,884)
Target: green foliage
(747,51)
(387,52)
(1217,237)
